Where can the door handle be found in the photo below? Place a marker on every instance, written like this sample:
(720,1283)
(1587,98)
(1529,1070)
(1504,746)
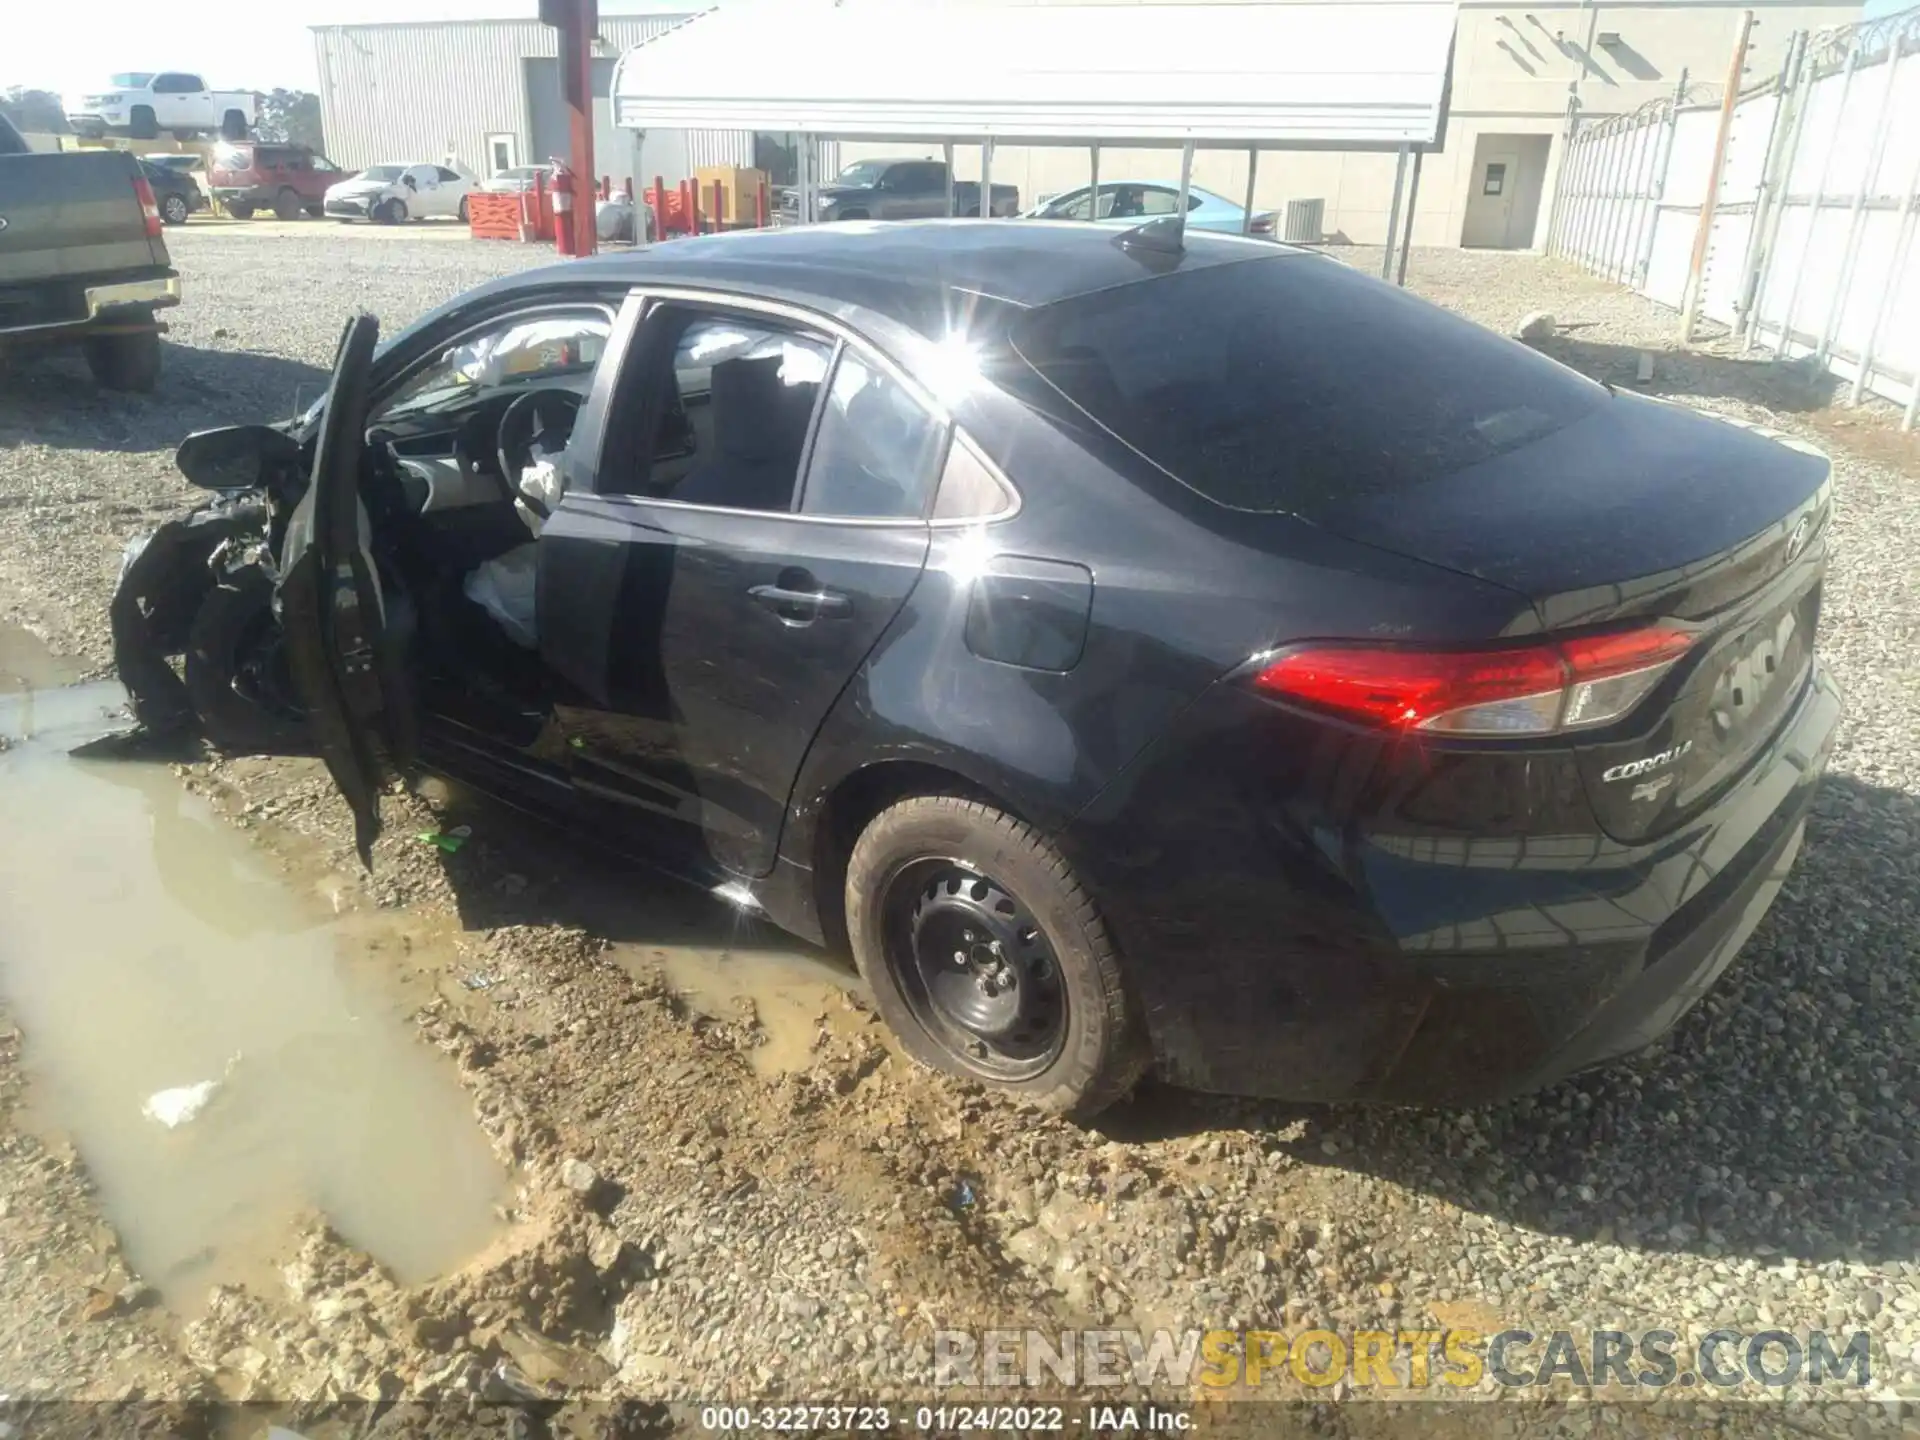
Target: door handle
(812,603)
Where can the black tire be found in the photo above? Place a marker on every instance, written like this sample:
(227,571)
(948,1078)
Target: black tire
(142,125)
(241,209)
(229,630)
(287,206)
(1069,1040)
(463,211)
(174,208)
(233,126)
(392,212)
(125,362)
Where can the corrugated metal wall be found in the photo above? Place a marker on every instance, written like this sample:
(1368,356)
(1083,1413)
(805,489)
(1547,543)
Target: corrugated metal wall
(414,91)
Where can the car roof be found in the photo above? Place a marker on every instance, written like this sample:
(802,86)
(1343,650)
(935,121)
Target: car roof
(916,272)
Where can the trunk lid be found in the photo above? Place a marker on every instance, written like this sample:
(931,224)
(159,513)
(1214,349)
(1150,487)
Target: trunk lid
(1644,510)
(71,215)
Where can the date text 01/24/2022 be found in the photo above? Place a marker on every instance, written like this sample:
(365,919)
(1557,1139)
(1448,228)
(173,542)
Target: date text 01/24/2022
(943,1419)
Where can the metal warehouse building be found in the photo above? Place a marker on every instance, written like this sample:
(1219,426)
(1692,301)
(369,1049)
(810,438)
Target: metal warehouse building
(487,93)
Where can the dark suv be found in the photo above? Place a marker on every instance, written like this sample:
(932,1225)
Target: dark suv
(289,180)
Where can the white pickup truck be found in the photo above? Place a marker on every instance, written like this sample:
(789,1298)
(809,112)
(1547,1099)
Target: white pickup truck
(147,103)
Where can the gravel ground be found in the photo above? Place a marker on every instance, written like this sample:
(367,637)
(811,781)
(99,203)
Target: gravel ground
(801,1237)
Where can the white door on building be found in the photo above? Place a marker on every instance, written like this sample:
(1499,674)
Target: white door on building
(1504,191)
(1490,202)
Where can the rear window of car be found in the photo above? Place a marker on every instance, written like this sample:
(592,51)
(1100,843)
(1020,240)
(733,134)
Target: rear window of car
(1281,383)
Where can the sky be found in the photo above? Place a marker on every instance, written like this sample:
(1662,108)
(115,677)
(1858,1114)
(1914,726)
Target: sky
(258,46)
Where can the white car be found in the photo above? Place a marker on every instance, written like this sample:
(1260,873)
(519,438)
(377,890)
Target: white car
(394,193)
(147,103)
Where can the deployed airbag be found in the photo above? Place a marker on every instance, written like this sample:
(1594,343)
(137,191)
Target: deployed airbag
(504,588)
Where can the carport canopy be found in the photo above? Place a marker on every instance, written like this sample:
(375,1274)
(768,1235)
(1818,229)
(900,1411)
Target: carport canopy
(1244,74)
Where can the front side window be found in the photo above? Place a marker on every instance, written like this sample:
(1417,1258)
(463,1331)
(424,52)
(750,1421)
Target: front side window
(875,450)
(523,352)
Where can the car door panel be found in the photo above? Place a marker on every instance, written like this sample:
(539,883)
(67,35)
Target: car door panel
(711,644)
(346,635)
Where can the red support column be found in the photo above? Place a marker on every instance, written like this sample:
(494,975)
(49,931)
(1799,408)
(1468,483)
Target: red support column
(659,207)
(578,22)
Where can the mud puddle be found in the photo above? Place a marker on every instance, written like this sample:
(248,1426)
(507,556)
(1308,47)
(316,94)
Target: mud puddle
(789,994)
(146,948)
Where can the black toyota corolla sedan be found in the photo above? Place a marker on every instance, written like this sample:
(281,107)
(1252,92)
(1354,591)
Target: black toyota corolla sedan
(1202,658)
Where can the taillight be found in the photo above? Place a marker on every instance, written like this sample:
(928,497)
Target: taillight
(148,206)
(1568,684)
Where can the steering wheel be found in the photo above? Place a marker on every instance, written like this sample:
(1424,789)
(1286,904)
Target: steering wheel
(544,416)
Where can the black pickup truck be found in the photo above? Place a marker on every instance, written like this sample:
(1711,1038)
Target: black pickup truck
(898,190)
(82,259)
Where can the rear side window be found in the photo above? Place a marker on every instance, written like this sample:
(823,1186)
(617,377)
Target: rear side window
(874,450)
(1292,383)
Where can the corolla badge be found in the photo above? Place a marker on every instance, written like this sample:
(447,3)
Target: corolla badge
(1645,764)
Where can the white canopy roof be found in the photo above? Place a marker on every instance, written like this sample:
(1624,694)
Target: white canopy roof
(1356,74)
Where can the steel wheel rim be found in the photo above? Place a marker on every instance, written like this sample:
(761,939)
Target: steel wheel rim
(976,969)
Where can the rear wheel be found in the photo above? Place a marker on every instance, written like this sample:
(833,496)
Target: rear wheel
(233,126)
(287,206)
(986,956)
(174,209)
(241,209)
(125,362)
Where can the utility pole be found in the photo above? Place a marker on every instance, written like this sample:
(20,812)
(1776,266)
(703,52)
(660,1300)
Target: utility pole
(1697,269)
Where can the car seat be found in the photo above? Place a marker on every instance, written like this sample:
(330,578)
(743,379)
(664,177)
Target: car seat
(759,427)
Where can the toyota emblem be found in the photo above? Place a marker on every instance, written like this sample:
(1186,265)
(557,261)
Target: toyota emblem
(1797,541)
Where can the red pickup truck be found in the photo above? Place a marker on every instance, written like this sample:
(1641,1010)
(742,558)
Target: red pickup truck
(289,180)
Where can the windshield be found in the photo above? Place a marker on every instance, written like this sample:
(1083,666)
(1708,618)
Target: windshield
(538,350)
(131,79)
(1294,383)
(383,172)
(864,173)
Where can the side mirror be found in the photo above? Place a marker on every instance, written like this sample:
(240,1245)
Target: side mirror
(236,457)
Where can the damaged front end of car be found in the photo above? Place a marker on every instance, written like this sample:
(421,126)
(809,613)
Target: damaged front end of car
(196,629)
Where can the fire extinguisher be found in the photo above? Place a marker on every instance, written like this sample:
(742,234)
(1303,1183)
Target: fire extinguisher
(563,238)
